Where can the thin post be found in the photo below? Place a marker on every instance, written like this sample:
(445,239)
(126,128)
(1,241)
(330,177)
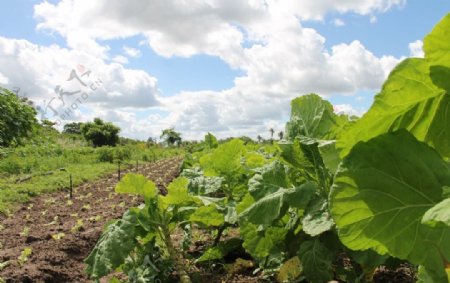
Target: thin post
(118,170)
(71,186)
(137,165)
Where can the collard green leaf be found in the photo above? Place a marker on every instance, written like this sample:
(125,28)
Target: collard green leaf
(137,184)
(221,250)
(382,189)
(177,193)
(207,215)
(300,196)
(329,154)
(224,160)
(113,247)
(292,153)
(261,244)
(254,160)
(271,178)
(317,218)
(316,261)
(273,206)
(266,209)
(436,44)
(211,141)
(205,185)
(438,214)
(409,100)
(312,117)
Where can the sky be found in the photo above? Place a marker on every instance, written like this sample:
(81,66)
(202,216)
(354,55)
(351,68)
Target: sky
(229,67)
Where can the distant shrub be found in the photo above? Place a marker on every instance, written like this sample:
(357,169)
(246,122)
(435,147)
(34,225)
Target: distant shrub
(105,154)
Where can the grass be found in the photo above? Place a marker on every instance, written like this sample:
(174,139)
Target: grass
(83,162)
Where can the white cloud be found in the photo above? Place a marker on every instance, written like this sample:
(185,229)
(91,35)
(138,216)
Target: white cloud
(339,22)
(132,52)
(41,72)
(3,79)
(280,58)
(347,109)
(121,59)
(416,49)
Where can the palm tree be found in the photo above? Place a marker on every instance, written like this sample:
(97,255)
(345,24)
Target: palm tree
(281,135)
(272,131)
(259,138)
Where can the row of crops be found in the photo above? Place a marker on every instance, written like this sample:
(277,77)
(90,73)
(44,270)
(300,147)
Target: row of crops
(368,191)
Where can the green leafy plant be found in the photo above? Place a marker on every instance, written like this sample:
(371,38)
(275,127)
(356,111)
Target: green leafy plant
(148,228)
(391,189)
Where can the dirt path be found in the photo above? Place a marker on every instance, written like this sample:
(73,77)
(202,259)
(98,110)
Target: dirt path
(61,232)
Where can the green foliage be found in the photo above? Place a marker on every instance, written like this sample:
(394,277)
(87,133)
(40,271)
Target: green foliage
(438,214)
(100,133)
(415,97)
(313,117)
(382,190)
(17,119)
(113,247)
(316,260)
(211,141)
(73,128)
(171,137)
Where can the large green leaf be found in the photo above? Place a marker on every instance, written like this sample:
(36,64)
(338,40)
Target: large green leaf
(137,184)
(177,193)
(273,206)
(270,179)
(211,141)
(224,160)
(311,116)
(317,218)
(409,100)
(221,250)
(316,261)
(438,214)
(436,44)
(262,243)
(207,215)
(382,189)
(113,247)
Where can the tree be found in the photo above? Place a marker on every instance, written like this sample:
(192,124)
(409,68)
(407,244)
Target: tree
(17,119)
(272,131)
(100,133)
(259,138)
(72,128)
(281,135)
(171,137)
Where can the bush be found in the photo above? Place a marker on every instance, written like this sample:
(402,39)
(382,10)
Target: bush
(105,154)
(17,119)
(100,133)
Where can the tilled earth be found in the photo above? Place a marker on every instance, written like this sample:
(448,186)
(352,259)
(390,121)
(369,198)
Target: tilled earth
(60,232)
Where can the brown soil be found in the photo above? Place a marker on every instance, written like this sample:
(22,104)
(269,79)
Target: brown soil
(61,232)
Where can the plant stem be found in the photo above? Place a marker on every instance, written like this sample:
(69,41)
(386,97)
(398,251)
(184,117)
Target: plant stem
(175,257)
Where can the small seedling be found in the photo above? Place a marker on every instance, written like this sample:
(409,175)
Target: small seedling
(86,207)
(58,236)
(24,256)
(77,226)
(3,265)
(25,232)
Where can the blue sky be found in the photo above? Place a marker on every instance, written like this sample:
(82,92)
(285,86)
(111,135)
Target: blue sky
(229,67)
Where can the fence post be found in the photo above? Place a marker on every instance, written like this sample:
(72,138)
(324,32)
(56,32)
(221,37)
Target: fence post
(118,170)
(71,186)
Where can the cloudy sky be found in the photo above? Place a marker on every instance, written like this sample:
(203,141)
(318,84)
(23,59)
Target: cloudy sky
(229,67)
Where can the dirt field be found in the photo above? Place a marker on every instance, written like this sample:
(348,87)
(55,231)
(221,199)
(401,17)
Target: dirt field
(60,232)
